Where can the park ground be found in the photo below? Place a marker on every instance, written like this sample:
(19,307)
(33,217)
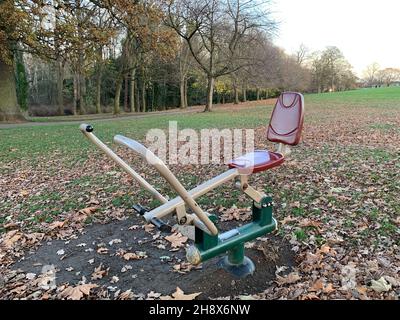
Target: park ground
(67,229)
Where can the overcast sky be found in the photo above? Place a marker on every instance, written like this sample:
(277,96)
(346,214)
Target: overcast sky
(365,31)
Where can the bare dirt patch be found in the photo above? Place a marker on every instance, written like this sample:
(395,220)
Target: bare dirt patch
(101,247)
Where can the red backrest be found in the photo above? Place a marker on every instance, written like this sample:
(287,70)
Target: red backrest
(287,119)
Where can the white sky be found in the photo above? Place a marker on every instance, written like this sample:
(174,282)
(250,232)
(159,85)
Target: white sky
(366,31)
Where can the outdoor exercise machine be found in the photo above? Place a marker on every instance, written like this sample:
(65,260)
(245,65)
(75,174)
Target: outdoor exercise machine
(284,129)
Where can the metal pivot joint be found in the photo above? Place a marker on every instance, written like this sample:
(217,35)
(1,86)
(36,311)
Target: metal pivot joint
(232,242)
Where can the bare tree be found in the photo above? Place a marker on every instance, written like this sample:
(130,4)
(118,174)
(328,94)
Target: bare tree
(331,71)
(265,69)
(127,63)
(370,73)
(388,76)
(216,30)
(184,65)
(294,77)
(302,54)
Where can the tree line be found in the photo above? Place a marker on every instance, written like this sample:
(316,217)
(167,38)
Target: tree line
(375,76)
(92,56)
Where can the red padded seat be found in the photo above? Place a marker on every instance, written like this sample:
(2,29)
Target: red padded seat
(257,161)
(287,119)
(285,127)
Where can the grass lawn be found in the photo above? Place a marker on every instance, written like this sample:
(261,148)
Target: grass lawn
(337,196)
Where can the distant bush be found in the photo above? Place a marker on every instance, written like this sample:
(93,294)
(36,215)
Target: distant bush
(68,112)
(43,110)
(274,93)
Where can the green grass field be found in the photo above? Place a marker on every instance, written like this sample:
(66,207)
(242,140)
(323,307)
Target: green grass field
(29,143)
(23,143)
(340,187)
(367,111)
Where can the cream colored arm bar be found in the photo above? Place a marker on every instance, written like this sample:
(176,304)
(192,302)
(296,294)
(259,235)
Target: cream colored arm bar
(169,176)
(143,183)
(169,207)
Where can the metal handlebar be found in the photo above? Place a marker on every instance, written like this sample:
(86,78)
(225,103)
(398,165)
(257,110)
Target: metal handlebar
(87,130)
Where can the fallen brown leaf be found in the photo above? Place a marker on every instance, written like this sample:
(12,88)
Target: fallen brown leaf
(289,279)
(325,249)
(329,289)
(88,210)
(56,224)
(362,290)
(287,220)
(180,295)
(99,272)
(11,238)
(126,295)
(311,223)
(78,292)
(149,227)
(153,295)
(177,240)
(236,214)
(295,204)
(11,225)
(102,250)
(24,193)
(317,286)
(310,296)
(134,256)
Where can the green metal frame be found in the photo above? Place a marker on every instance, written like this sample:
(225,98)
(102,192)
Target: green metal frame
(232,242)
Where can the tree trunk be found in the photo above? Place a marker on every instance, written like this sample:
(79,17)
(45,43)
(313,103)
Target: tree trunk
(143,94)
(60,67)
(152,97)
(77,95)
(132,93)
(126,93)
(98,89)
(137,96)
(210,94)
(244,94)
(182,88)
(81,86)
(186,94)
(183,71)
(164,95)
(118,87)
(82,92)
(35,90)
(236,92)
(9,109)
(99,77)
(258,93)
(60,86)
